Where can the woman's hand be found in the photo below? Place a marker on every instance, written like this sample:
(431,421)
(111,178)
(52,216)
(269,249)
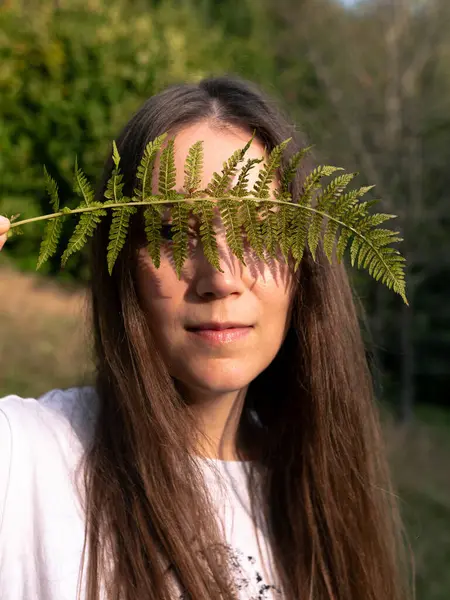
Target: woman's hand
(4,227)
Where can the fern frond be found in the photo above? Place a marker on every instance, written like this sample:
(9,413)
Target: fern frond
(268,219)
(241,189)
(53,228)
(328,197)
(286,216)
(52,189)
(12,232)
(267,173)
(351,212)
(205,210)
(270,228)
(180,226)
(83,187)
(84,229)
(301,218)
(384,263)
(146,166)
(193,168)
(221,181)
(115,155)
(120,216)
(229,212)
(252,226)
(118,233)
(346,204)
(291,168)
(115,183)
(153,225)
(167,171)
(299,236)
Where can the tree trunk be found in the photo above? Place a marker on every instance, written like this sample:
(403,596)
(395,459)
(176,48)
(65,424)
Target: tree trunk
(407,398)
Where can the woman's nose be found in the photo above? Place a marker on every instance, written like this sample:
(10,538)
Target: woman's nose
(210,282)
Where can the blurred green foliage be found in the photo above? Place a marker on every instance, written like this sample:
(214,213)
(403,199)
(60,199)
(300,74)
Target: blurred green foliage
(71,77)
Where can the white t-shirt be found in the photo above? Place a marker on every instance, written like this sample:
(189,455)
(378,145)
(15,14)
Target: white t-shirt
(41,516)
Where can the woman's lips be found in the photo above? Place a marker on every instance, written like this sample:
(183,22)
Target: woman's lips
(221,336)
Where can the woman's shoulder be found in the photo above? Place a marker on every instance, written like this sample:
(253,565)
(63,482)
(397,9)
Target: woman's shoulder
(42,443)
(59,415)
(42,440)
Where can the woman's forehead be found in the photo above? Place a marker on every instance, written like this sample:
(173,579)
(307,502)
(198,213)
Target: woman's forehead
(219,143)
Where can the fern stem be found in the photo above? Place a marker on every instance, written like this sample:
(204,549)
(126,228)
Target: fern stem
(74,211)
(176,201)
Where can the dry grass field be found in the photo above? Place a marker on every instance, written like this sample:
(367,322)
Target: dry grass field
(44,343)
(44,334)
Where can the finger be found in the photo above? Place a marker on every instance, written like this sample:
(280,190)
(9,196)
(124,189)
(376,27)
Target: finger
(2,240)
(4,224)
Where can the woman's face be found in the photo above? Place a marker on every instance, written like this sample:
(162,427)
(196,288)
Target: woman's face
(256,296)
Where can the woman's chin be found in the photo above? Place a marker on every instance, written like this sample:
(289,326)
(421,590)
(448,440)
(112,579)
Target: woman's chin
(216,381)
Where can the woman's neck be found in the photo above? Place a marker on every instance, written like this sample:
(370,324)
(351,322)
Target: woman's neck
(217,418)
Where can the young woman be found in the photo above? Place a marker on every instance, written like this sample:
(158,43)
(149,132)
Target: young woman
(230,447)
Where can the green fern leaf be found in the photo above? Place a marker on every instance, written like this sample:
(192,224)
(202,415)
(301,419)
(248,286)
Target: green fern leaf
(83,187)
(342,243)
(295,235)
(115,183)
(369,249)
(193,168)
(229,212)
(84,229)
(11,233)
(153,225)
(330,195)
(180,226)
(291,168)
(313,181)
(348,200)
(120,216)
(286,216)
(268,172)
(342,210)
(249,219)
(167,171)
(118,232)
(351,213)
(221,181)
(241,187)
(205,210)
(299,236)
(146,166)
(53,228)
(329,238)
(52,189)
(373,220)
(270,228)
(115,155)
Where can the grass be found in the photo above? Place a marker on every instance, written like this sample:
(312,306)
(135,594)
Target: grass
(44,339)
(420,458)
(44,343)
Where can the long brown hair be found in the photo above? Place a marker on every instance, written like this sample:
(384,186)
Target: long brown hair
(321,481)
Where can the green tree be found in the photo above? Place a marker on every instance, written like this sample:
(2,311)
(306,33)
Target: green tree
(71,76)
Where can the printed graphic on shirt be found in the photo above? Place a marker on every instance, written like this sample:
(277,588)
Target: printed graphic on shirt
(247,578)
